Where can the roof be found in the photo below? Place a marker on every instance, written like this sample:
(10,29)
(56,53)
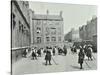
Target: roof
(47,17)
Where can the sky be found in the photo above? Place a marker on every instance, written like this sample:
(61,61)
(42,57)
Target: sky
(74,15)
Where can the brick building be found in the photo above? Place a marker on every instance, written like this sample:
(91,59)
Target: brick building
(47,30)
(20,26)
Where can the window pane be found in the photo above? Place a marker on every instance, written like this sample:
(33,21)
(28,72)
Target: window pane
(47,39)
(38,39)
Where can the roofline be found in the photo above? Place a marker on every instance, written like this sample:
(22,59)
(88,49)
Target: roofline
(49,19)
(17,5)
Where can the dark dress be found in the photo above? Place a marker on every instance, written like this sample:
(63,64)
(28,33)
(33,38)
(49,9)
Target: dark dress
(81,57)
(48,56)
(89,53)
(65,50)
(39,52)
(33,54)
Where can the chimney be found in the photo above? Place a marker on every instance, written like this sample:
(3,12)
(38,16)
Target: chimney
(47,12)
(33,12)
(61,13)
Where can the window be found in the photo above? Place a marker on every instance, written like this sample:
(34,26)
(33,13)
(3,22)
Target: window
(47,31)
(19,26)
(59,38)
(24,28)
(47,39)
(13,20)
(44,22)
(38,39)
(57,23)
(23,3)
(38,22)
(59,30)
(26,4)
(53,38)
(38,29)
(53,31)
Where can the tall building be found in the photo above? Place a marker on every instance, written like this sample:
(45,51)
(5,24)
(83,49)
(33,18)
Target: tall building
(47,30)
(73,36)
(82,32)
(20,26)
(89,31)
(68,36)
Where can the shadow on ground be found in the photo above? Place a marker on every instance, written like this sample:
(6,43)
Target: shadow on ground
(75,67)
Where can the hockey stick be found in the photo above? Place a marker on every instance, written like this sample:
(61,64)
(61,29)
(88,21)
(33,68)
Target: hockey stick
(93,57)
(87,64)
(54,61)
